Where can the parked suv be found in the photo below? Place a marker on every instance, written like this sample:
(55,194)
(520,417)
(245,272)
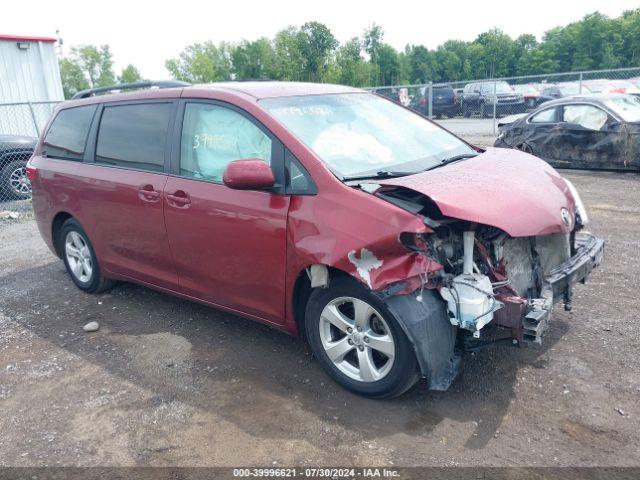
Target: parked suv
(480,97)
(326,211)
(444,101)
(15,150)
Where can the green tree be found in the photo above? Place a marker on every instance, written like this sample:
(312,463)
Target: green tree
(72,77)
(629,27)
(202,63)
(316,44)
(252,60)
(130,74)
(420,65)
(351,66)
(372,41)
(287,64)
(96,64)
(498,53)
(389,65)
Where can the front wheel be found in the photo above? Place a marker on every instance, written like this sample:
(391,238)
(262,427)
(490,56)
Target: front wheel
(358,342)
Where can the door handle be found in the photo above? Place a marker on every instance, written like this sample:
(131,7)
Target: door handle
(178,199)
(146,193)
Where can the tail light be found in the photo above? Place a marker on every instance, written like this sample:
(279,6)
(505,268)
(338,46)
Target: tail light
(423,102)
(455,100)
(32,173)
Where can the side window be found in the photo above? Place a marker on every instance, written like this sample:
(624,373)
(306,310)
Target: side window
(545,116)
(213,136)
(134,136)
(298,180)
(587,116)
(67,136)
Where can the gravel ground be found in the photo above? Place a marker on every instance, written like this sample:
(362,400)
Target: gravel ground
(168,382)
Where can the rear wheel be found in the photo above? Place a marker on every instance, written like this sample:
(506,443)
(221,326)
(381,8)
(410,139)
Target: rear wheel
(358,342)
(80,258)
(465,111)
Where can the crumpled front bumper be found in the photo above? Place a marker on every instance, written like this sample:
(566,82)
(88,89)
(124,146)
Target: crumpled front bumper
(589,251)
(529,318)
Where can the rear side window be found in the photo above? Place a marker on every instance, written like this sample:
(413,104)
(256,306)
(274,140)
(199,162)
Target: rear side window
(134,136)
(67,136)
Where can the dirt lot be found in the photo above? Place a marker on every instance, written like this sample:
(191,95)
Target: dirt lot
(168,382)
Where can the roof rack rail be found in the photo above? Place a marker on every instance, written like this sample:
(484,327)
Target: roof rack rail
(130,86)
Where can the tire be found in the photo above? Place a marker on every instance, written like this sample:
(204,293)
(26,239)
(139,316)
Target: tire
(465,111)
(388,374)
(525,147)
(80,258)
(13,180)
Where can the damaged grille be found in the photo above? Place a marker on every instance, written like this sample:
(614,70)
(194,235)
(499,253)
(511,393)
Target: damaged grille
(529,259)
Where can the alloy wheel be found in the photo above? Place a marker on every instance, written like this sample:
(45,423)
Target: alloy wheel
(357,339)
(18,181)
(78,256)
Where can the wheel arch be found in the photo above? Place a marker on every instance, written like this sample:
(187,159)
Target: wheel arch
(56,226)
(302,291)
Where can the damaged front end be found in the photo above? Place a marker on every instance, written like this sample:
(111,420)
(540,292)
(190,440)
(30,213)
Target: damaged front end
(491,277)
(512,282)
(498,281)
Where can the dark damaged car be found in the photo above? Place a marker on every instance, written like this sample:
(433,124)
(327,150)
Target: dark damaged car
(589,132)
(326,211)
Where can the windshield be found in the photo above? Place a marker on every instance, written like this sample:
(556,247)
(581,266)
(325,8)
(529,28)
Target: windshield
(501,87)
(359,133)
(626,106)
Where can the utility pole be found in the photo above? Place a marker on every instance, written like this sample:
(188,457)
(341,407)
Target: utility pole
(59,42)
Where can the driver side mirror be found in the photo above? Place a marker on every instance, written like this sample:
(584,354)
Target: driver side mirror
(248,174)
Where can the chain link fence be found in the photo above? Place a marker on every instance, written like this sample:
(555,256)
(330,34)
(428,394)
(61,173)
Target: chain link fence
(20,125)
(472,108)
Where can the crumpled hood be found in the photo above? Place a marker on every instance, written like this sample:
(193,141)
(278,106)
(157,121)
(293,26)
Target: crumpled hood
(508,189)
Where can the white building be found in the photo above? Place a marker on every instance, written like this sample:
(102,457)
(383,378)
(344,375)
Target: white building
(29,76)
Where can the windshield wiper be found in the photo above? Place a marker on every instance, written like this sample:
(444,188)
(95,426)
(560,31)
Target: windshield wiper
(455,158)
(380,174)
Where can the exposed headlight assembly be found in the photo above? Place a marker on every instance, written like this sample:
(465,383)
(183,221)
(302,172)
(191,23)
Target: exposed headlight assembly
(581,213)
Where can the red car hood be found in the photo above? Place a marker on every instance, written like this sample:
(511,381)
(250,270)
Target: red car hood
(508,189)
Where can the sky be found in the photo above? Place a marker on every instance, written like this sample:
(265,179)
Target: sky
(148,33)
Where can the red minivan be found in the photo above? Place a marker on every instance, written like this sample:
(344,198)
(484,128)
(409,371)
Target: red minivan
(390,244)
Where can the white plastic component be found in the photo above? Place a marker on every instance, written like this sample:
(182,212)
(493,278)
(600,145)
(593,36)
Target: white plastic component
(467,241)
(472,293)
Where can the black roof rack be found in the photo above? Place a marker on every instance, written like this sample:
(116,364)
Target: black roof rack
(130,86)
